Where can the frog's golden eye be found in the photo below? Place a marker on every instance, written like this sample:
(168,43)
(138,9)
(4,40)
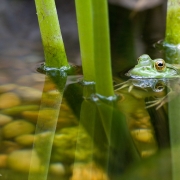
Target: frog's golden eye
(159,65)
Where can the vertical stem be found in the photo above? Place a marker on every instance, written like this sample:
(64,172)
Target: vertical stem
(85,28)
(101,41)
(172,38)
(102,65)
(93,28)
(172,54)
(54,51)
(173,23)
(174,127)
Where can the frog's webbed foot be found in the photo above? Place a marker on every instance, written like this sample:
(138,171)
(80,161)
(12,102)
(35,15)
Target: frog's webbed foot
(123,85)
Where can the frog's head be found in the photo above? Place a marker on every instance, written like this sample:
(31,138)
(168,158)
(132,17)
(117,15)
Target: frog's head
(148,68)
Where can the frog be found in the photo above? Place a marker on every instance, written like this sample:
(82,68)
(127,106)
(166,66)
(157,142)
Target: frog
(157,68)
(152,76)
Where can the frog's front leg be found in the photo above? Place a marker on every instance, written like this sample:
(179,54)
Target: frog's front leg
(123,85)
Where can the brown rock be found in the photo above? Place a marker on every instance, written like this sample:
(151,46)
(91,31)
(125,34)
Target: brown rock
(7,87)
(38,86)
(23,161)
(88,171)
(25,80)
(17,110)
(31,79)
(31,115)
(48,86)
(8,100)
(8,147)
(16,128)
(143,135)
(29,94)
(38,77)
(57,169)
(3,160)
(25,140)
(4,119)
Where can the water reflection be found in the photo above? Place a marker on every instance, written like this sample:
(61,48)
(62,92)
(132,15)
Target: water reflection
(151,107)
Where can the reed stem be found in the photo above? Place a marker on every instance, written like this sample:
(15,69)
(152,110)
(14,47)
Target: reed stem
(173,23)
(54,51)
(101,44)
(92,16)
(85,29)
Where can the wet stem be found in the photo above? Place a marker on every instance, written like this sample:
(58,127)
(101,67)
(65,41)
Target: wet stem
(54,51)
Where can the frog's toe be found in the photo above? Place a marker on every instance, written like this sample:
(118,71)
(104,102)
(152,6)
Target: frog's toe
(124,86)
(130,88)
(154,103)
(121,85)
(158,102)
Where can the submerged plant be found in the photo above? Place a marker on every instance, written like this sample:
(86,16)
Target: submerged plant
(55,67)
(101,99)
(98,114)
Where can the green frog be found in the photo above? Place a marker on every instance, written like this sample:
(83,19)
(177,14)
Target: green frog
(157,68)
(152,76)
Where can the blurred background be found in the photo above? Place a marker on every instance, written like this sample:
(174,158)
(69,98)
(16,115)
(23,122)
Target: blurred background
(135,25)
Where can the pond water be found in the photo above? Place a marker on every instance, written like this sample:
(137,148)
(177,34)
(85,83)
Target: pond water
(51,132)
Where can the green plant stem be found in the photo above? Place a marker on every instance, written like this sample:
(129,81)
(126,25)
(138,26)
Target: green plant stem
(84,19)
(173,55)
(173,23)
(54,51)
(101,41)
(92,16)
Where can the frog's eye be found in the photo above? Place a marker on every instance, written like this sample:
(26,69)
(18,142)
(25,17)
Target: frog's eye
(160,65)
(159,86)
